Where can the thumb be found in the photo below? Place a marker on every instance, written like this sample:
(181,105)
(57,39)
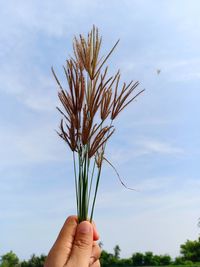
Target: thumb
(82,245)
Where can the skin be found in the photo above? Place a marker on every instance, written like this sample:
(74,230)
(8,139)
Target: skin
(75,246)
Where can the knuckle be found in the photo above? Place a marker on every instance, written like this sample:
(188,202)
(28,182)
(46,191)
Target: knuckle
(97,251)
(82,243)
(67,246)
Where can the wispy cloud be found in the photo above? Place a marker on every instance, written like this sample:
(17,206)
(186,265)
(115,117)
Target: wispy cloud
(154,214)
(31,146)
(35,90)
(140,147)
(155,146)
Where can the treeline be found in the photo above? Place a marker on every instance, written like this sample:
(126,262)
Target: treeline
(144,259)
(10,259)
(189,251)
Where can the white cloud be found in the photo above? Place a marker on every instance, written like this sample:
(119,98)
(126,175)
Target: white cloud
(180,70)
(161,232)
(40,96)
(30,145)
(35,90)
(141,221)
(154,146)
(155,222)
(140,147)
(54,19)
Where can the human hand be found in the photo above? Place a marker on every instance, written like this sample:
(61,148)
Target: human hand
(75,246)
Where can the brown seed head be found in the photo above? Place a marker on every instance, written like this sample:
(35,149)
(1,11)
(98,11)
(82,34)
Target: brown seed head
(87,51)
(106,104)
(124,98)
(90,93)
(102,136)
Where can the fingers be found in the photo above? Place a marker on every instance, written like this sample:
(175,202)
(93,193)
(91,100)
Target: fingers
(95,233)
(96,253)
(82,246)
(74,244)
(61,250)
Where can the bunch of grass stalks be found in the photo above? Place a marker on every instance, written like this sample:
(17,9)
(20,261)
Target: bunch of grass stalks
(91,103)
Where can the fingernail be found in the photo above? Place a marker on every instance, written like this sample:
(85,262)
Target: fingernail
(84,227)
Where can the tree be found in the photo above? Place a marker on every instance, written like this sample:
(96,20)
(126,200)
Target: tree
(10,259)
(165,260)
(34,261)
(148,258)
(124,262)
(137,259)
(106,258)
(117,252)
(179,261)
(191,250)
(156,260)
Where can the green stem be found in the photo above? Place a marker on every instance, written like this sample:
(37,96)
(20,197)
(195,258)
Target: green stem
(83,186)
(98,178)
(95,194)
(84,196)
(76,185)
(91,181)
(80,187)
(88,167)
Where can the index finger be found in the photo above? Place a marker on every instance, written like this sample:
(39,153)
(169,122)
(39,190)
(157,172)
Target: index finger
(61,249)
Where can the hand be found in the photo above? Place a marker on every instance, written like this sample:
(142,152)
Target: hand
(75,246)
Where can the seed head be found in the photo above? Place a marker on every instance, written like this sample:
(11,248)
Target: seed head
(91,98)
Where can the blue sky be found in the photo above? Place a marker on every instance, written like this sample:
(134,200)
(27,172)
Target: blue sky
(156,147)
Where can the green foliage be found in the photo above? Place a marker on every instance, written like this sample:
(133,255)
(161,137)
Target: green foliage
(106,258)
(10,259)
(156,260)
(165,260)
(125,262)
(34,261)
(179,261)
(188,263)
(137,259)
(191,250)
(117,251)
(149,259)
(190,257)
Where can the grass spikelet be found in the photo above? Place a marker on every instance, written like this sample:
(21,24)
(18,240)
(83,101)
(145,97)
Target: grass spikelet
(90,105)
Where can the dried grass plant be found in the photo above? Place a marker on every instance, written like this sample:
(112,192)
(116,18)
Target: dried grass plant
(91,103)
